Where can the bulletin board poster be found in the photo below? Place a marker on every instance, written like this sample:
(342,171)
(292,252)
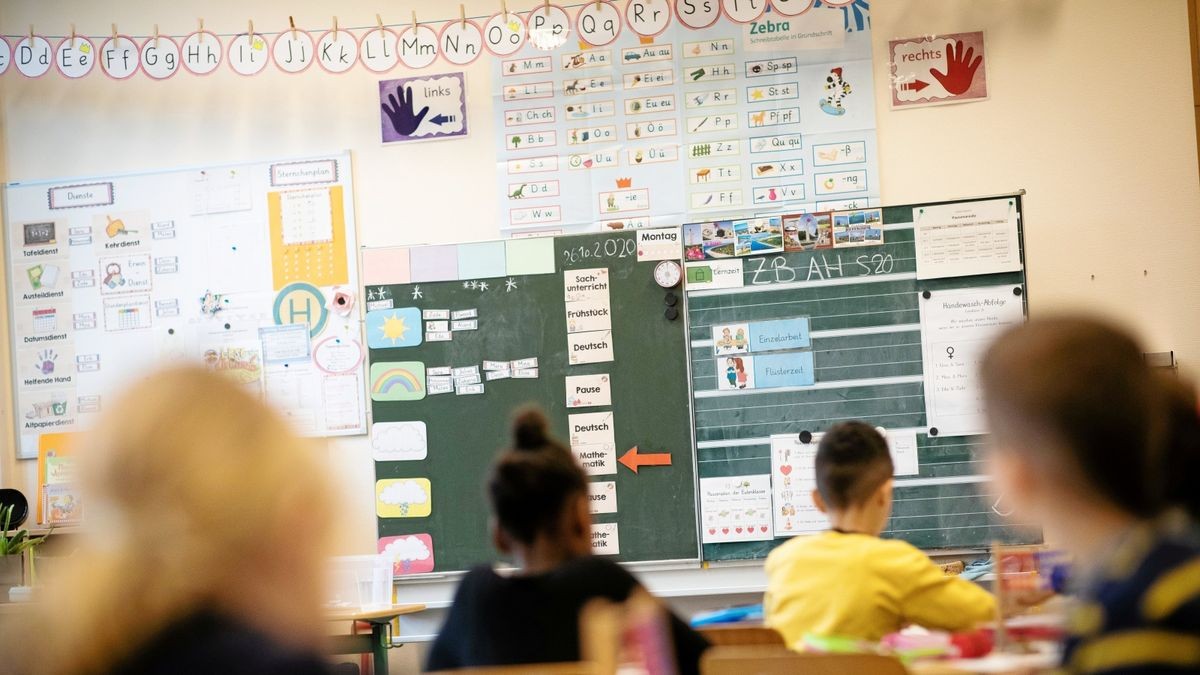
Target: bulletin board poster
(246,269)
(643,121)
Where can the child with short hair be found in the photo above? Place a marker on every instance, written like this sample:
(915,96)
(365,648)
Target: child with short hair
(848,582)
(1088,441)
(539,501)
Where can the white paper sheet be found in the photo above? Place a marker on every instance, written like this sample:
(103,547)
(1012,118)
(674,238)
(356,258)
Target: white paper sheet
(957,327)
(958,240)
(736,508)
(793,478)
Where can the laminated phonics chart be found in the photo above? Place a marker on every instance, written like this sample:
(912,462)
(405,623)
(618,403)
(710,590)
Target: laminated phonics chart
(684,117)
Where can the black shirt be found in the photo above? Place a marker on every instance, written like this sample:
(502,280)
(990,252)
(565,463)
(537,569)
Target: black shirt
(207,643)
(499,620)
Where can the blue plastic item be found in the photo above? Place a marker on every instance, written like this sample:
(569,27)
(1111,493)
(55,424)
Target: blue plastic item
(728,615)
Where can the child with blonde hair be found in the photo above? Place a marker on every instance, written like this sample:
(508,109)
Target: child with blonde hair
(208,525)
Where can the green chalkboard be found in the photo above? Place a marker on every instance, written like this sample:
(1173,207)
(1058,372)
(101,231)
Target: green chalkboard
(866,342)
(523,316)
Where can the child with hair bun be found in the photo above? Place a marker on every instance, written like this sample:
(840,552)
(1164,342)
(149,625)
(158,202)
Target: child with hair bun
(537,493)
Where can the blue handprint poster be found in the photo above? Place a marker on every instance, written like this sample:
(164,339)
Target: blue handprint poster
(423,108)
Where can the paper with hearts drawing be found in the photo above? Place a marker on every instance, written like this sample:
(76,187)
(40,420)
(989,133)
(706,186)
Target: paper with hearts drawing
(736,508)
(793,478)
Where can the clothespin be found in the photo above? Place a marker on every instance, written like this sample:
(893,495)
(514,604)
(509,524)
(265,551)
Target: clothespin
(292,23)
(72,42)
(504,9)
(335,27)
(201,31)
(414,22)
(31,34)
(546,7)
(156,36)
(462,14)
(250,30)
(379,22)
(114,34)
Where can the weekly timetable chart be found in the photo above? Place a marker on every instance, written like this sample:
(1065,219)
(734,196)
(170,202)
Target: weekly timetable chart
(658,119)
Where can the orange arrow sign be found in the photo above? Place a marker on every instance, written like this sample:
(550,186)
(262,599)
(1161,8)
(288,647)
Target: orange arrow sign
(633,459)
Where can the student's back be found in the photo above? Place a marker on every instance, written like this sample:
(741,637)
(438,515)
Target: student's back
(538,497)
(1091,444)
(192,562)
(533,618)
(861,586)
(848,582)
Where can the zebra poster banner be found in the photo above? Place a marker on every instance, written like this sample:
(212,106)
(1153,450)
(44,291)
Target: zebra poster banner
(687,115)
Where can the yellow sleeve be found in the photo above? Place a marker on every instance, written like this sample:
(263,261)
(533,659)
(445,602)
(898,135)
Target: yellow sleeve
(931,599)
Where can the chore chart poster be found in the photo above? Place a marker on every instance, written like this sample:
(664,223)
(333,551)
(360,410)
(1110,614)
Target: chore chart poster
(651,113)
(247,269)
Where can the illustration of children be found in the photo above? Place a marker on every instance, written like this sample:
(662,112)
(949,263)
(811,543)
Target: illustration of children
(741,373)
(726,341)
(731,371)
(740,341)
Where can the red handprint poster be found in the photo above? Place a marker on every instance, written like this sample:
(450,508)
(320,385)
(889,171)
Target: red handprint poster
(937,70)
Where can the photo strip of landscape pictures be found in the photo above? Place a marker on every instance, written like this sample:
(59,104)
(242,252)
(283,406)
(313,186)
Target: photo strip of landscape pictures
(776,234)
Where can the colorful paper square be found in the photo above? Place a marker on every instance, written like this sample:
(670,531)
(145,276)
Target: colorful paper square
(484,260)
(434,263)
(397,381)
(389,328)
(410,553)
(403,498)
(530,256)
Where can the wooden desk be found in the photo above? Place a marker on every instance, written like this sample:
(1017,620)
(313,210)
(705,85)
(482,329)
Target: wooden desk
(378,642)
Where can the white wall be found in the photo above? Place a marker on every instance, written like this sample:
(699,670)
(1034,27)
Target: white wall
(1090,111)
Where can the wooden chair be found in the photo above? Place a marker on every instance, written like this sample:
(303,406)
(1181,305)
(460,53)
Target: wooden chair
(740,636)
(777,661)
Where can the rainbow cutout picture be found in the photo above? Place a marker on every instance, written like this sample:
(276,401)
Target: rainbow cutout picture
(398,381)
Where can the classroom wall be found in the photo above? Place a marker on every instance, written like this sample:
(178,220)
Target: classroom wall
(1090,111)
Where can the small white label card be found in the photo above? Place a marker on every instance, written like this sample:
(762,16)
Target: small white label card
(736,508)
(602,496)
(593,442)
(583,285)
(903,444)
(605,539)
(591,347)
(398,441)
(663,244)
(588,315)
(589,391)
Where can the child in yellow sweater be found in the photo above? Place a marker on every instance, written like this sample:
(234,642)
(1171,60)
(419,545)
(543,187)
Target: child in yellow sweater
(848,582)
